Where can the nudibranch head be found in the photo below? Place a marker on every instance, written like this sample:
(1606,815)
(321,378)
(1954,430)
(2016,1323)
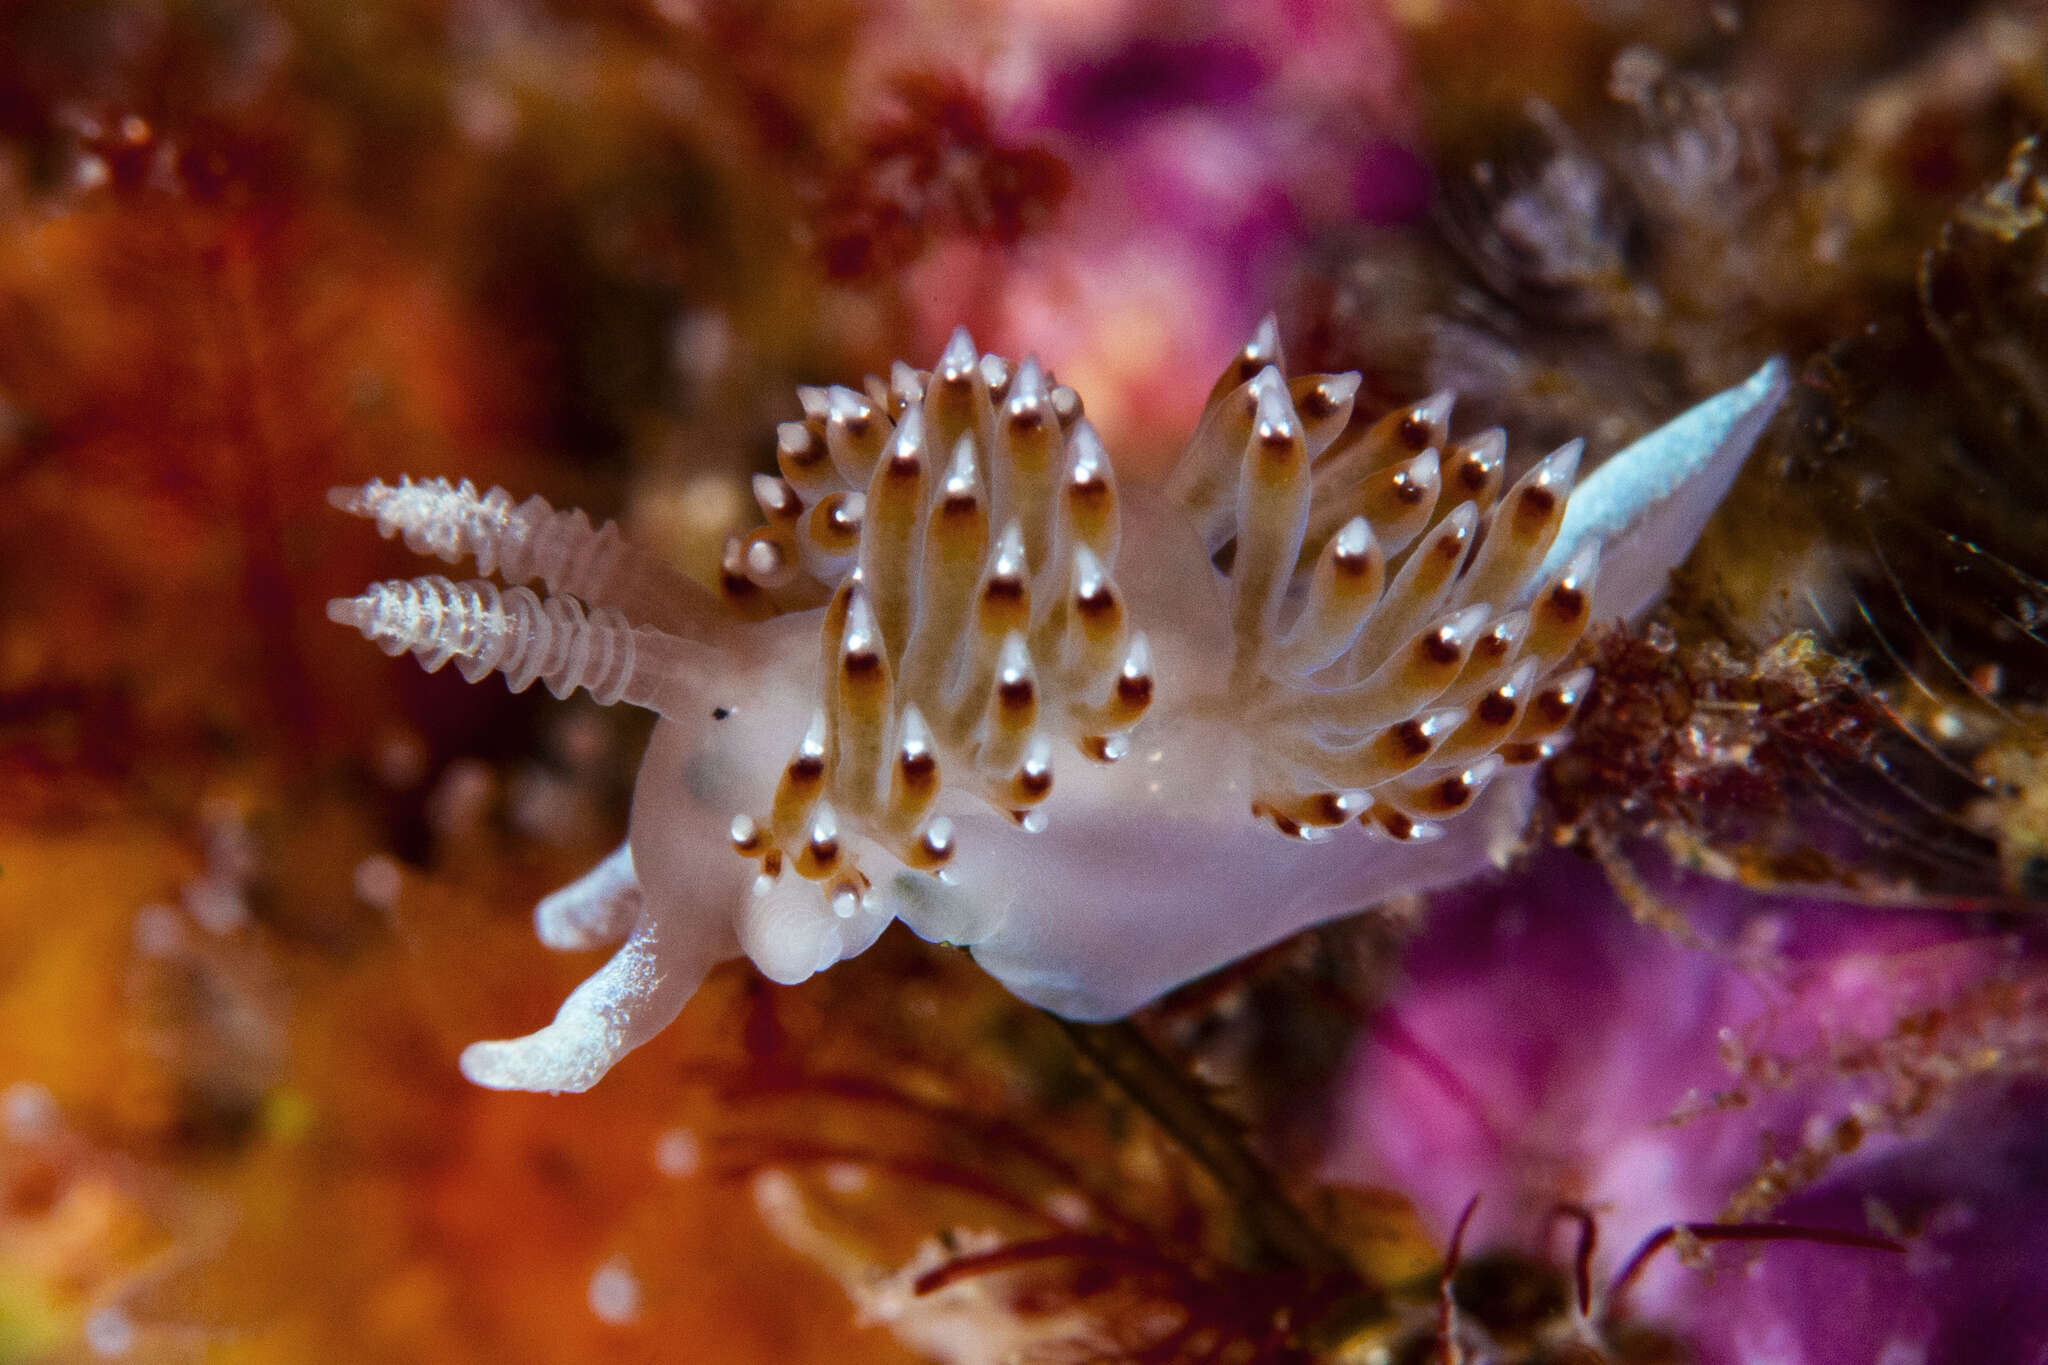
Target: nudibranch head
(1111,738)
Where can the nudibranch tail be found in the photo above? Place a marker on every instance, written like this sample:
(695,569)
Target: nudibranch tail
(1359,634)
(1646,506)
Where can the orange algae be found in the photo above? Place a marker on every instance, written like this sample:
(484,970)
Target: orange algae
(367,1201)
(225,1010)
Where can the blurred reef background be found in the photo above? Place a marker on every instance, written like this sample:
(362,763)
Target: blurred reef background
(1774,955)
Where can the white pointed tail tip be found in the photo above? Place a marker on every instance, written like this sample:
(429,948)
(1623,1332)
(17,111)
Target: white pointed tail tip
(354,500)
(1772,378)
(1648,504)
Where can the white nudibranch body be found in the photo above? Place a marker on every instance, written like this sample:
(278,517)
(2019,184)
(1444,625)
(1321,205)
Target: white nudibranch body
(1109,738)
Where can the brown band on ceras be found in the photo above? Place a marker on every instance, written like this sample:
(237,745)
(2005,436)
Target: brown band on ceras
(747,599)
(801,457)
(1398,500)
(799,787)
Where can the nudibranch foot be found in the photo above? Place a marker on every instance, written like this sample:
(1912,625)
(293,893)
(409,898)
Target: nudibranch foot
(1109,738)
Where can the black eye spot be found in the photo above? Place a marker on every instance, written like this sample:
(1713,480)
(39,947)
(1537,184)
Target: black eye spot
(720,712)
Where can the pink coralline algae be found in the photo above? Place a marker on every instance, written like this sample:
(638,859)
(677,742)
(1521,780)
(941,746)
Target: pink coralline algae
(1970,1199)
(1801,1062)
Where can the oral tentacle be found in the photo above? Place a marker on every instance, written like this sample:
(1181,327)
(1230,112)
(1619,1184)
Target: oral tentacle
(598,908)
(634,996)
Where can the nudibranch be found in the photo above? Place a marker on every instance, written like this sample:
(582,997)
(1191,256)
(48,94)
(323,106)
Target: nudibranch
(1108,737)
